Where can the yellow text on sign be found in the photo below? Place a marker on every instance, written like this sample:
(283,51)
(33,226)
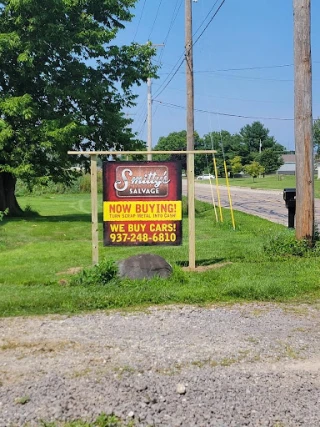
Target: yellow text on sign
(142,211)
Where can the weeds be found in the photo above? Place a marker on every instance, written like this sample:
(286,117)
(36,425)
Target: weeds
(22,400)
(285,244)
(102,421)
(3,214)
(100,274)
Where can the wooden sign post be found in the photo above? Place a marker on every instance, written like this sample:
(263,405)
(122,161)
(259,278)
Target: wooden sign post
(94,195)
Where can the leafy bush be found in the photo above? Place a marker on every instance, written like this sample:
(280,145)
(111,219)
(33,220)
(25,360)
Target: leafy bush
(3,214)
(286,244)
(81,184)
(100,274)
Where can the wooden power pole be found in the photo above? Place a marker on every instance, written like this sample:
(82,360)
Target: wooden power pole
(190,131)
(303,120)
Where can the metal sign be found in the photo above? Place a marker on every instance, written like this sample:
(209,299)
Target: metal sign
(142,203)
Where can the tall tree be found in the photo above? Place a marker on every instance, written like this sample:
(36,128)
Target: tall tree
(176,141)
(252,136)
(227,146)
(270,160)
(63,86)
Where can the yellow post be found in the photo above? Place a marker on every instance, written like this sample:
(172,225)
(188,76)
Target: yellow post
(214,202)
(229,195)
(94,210)
(218,189)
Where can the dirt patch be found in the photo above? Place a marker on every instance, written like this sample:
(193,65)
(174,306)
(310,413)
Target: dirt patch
(72,270)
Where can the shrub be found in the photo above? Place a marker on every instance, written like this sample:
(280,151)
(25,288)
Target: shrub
(81,184)
(286,244)
(3,214)
(101,274)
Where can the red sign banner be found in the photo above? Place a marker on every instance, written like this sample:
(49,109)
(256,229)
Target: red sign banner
(142,203)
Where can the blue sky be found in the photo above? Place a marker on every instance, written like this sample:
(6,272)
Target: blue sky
(244,34)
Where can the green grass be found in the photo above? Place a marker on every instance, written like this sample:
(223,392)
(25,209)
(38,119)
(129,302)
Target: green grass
(269,182)
(36,254)
(102,421)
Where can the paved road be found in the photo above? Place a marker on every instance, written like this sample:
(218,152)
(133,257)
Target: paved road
(268,204)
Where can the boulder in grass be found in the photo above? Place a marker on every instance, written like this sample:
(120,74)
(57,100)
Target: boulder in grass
(144,266)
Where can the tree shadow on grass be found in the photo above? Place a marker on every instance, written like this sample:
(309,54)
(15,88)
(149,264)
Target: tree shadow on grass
(202,262)
(82,217)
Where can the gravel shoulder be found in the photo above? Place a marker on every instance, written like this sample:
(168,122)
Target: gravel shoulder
(233,365)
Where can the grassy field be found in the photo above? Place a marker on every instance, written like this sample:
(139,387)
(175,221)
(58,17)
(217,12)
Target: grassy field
(37,253)
(269,182)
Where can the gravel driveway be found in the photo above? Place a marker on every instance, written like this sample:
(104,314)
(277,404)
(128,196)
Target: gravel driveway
(231,365)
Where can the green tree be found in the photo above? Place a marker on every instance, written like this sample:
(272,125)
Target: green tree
(254,169)
(176,141)
(63,86)
(252,136)
(226,145)
(236,164)
(316,137)
(270,160)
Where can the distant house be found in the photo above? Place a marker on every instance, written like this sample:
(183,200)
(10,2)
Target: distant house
(289,165)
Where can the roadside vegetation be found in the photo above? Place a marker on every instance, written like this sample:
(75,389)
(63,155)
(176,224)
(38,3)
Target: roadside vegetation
(41,258)
(102,421)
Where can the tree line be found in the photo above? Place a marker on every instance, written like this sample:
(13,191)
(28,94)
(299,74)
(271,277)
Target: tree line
(253,150)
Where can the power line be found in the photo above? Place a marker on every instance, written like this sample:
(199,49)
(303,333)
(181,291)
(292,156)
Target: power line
(219,113)
(225,97)
(155,20)
(253,78)
(142,127)
(202,23)
(212,18)
(262,67)
(166,84)
(251,68)
(174,17)
(135,34)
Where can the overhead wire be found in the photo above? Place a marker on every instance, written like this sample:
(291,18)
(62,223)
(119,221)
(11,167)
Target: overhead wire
(211,19)
(179,63)
(202,23)
(219,113)
(226,97)
(252,78)
(137,29)
(166,83)
(142,127)
(155,20)
(261,67)
(173,19)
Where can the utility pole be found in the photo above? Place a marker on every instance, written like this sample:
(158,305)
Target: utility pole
(190,131)
(303,121)
(149,113)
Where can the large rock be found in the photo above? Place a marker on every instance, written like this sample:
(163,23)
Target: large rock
(144,266)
